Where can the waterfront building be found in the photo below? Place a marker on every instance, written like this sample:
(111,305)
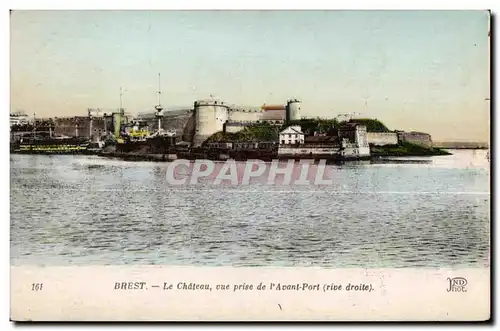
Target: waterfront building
(350,142)
(18,118)
(291,136)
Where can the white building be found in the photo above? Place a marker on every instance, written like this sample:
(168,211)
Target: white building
(18,118)
(291,136)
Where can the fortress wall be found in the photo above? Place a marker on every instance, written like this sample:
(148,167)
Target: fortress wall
(382,138)
(177,123)
(272,115)
(189,129)
(67,126)
(244,116)
(418,138)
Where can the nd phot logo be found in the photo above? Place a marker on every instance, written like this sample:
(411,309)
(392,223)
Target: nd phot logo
(457,284)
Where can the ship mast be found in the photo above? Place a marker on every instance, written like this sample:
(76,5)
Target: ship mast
(34,123)
(159,89)
(159,107)
(121,99)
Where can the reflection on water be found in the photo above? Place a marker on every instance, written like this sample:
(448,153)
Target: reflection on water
(88,210)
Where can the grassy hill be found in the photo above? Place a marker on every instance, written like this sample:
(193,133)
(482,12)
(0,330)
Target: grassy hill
(372,125)
(258,132)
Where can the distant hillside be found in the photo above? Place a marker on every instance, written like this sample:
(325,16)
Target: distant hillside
(460,145)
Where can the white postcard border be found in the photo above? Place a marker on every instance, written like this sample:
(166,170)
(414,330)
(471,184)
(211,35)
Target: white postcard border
(151,4)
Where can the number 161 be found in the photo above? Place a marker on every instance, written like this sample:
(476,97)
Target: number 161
(36,286)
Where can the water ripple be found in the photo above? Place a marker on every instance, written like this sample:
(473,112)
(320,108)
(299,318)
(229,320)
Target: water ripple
(81,210)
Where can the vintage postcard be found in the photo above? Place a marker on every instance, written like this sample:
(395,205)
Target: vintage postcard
(250,165)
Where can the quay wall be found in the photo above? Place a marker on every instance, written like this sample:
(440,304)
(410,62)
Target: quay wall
(356,152)
(289,150)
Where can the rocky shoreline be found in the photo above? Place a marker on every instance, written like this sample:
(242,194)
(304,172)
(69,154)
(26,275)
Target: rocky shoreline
(407,150)
(377,153)
(376,156)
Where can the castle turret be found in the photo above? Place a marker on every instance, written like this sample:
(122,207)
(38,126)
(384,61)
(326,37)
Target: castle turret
(293,110)
(210,116)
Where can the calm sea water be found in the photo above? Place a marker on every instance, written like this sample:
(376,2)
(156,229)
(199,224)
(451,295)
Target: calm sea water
(77,210)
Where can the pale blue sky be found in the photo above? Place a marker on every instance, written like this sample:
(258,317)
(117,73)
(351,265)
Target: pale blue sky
(426,71)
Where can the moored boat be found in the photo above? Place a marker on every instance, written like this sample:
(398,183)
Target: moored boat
(57,145)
